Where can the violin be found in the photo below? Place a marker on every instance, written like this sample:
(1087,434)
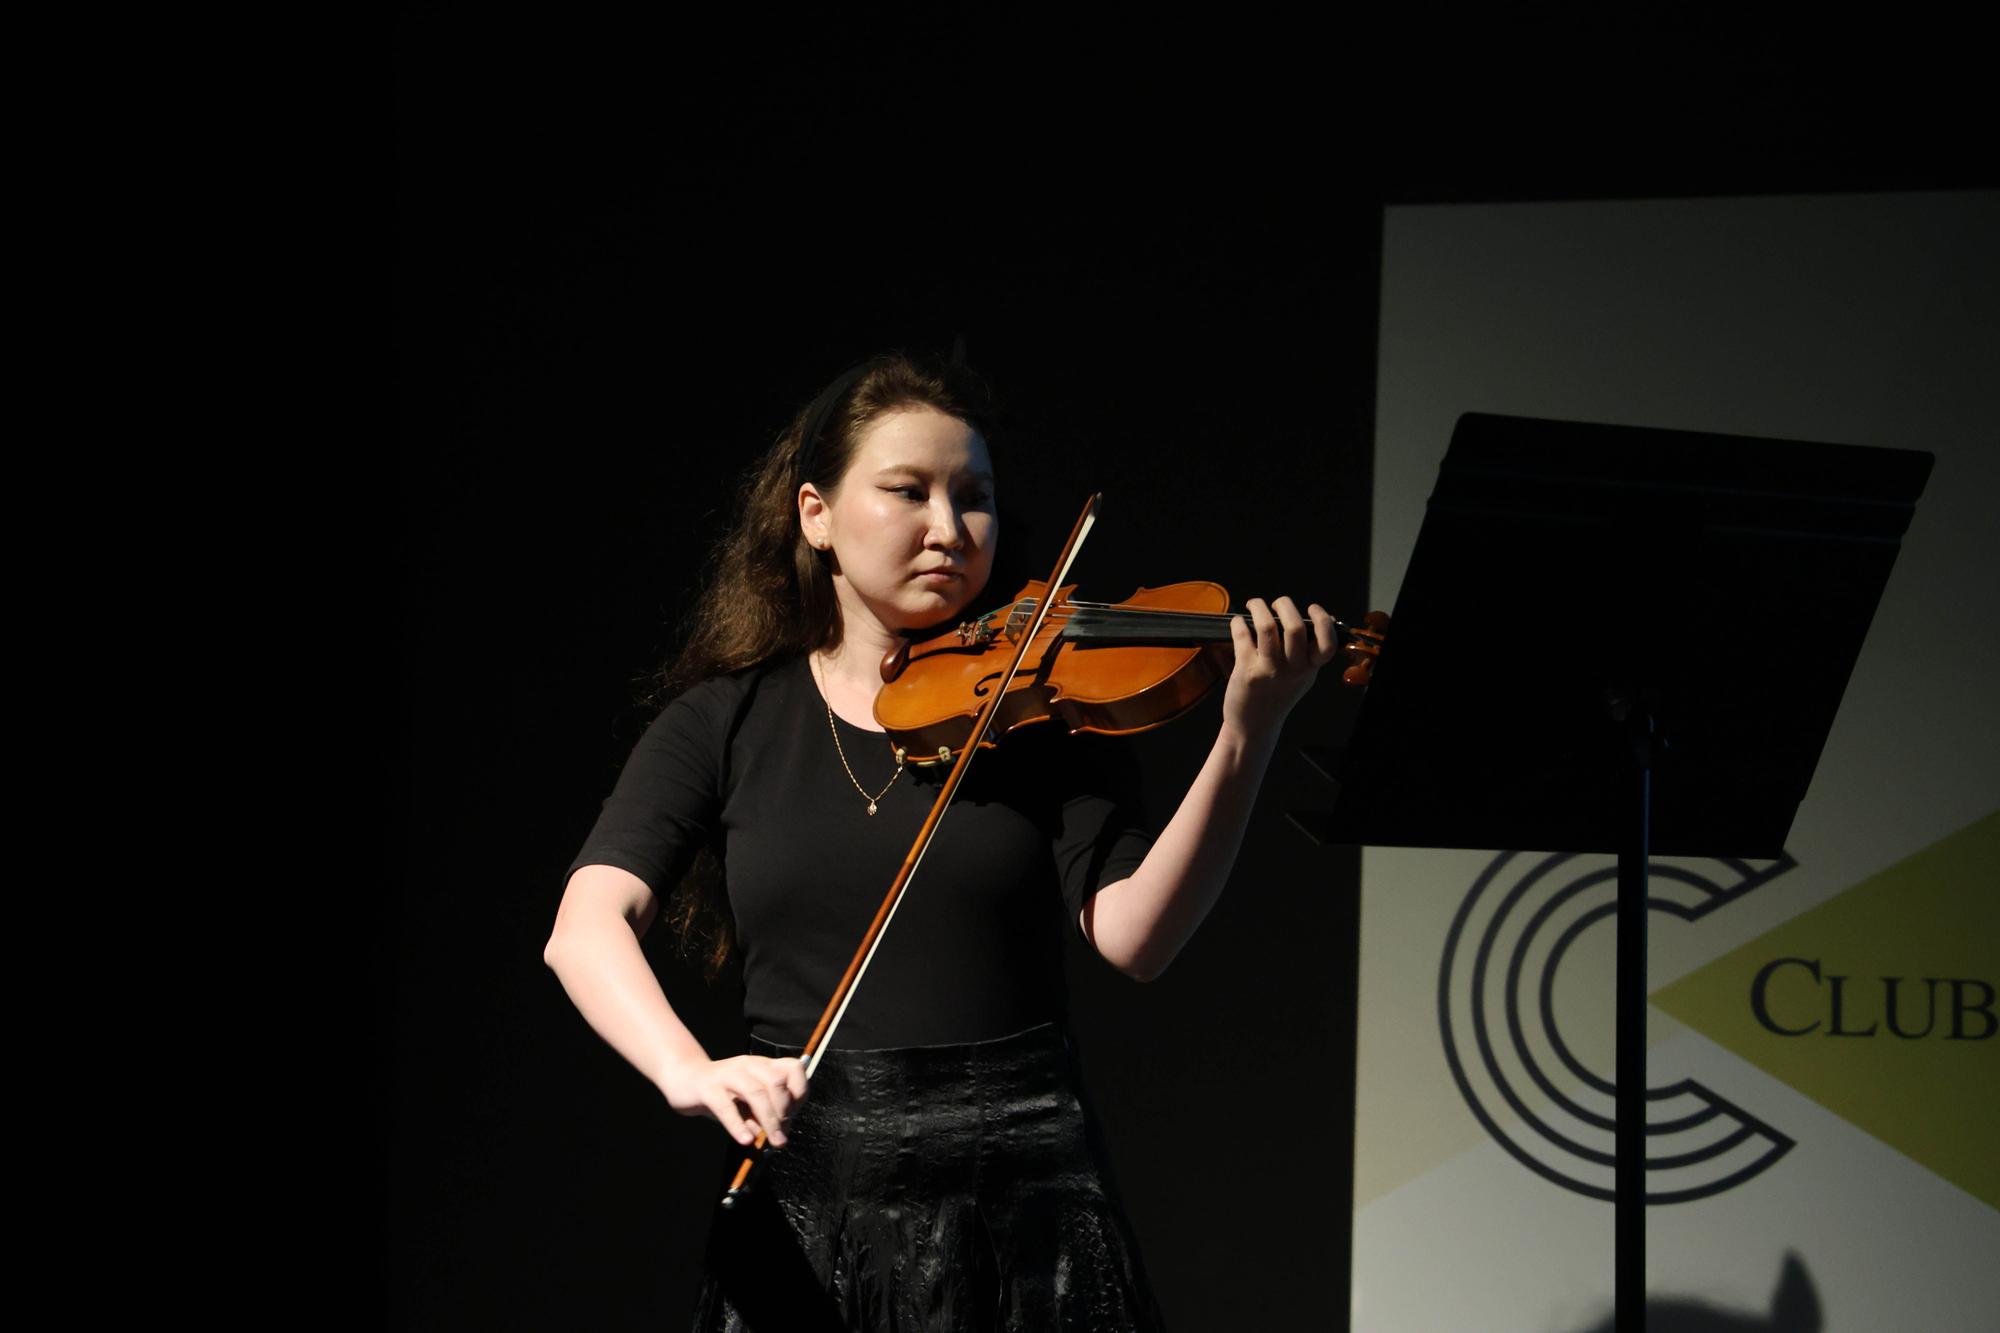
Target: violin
(1110,667)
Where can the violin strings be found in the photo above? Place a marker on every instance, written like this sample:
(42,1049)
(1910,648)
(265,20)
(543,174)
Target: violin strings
(1064,611)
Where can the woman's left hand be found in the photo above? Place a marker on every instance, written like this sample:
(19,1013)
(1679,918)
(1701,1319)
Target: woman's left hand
(1278,656)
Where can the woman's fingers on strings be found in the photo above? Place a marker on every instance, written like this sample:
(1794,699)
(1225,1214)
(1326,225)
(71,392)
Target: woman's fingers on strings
(1284,635)
(1266,626)
(1294,629)
(1326,634)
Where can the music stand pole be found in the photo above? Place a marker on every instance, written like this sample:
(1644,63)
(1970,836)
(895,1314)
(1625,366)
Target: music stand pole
(1629,1216)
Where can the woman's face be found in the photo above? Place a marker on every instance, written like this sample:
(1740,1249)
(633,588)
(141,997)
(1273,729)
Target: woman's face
(911,524)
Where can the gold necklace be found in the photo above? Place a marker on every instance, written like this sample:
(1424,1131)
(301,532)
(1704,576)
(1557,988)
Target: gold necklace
(841,750)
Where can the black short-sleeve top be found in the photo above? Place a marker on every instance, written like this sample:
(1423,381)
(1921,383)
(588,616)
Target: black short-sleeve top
(747,765)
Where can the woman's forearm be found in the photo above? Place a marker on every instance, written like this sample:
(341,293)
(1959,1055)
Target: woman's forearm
(597,957)
(1140,924)
(594,950)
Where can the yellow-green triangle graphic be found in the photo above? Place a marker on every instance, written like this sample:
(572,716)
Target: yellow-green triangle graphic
(1931,920)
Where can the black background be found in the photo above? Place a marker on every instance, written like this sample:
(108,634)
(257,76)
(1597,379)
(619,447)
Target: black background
(628,249)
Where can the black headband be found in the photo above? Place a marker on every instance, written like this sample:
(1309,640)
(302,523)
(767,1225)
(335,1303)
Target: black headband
(822,411)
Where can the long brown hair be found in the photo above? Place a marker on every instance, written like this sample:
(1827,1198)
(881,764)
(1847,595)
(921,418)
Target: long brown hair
(769,594)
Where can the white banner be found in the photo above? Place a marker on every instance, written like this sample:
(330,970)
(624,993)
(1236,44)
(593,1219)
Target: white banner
(1823,1027)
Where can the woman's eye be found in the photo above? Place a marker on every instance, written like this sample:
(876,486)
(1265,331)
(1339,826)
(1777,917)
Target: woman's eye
(907,492)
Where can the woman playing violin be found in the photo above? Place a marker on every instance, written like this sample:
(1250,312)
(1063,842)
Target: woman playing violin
(940,1171)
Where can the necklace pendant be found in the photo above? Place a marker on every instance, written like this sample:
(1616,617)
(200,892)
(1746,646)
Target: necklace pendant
(871,807)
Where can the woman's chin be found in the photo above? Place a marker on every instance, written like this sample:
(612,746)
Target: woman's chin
(935,610)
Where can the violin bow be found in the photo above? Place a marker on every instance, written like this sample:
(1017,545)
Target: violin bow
(836,1007)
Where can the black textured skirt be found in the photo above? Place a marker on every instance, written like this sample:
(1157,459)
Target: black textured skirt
(932,1188)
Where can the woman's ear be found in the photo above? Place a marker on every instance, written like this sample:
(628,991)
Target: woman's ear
(813,516)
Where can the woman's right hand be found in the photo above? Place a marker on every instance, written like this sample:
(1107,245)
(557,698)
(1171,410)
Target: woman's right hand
(743,1094)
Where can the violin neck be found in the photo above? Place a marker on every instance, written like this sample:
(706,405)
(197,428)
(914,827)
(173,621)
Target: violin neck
(1090,623)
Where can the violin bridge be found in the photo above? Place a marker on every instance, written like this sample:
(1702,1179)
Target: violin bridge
(1023,612)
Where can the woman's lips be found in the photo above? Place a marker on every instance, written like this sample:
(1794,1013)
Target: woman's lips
(939,576)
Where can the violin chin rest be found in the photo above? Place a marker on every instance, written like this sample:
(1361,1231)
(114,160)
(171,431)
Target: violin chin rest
(894,661)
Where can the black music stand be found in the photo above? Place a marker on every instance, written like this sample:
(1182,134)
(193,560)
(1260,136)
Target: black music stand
(1615,639)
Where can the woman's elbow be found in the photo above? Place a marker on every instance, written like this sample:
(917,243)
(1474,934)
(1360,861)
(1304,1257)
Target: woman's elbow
(558,946)
(1133,958)
(595,898)
(1142,971)
(1145,964)
(1133,964)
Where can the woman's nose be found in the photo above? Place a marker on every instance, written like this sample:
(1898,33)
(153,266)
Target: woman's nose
(947,527)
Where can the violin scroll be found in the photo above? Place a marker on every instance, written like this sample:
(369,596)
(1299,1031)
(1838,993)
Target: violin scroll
(1363,647)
